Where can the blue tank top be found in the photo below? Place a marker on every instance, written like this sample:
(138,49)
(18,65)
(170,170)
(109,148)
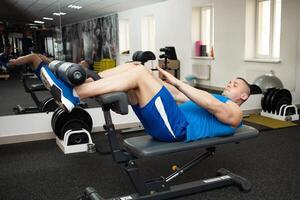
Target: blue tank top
(203,124)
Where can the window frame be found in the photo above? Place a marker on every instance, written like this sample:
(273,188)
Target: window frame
(146,29)
(127,42)
(271,36)
(202,9)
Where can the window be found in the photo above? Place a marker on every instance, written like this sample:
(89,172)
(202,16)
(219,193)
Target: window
(202,28)
(148,33)
(268,25)
(124,35)
(49,49)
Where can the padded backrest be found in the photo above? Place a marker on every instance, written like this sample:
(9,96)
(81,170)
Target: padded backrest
(145,146)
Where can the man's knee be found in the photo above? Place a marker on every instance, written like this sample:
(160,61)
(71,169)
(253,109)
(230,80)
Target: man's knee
(35,59)
(141,71)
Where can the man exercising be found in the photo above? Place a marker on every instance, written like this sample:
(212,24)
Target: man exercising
(199,114)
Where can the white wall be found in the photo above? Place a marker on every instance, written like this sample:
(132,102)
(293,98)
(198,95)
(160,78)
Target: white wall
(173,25)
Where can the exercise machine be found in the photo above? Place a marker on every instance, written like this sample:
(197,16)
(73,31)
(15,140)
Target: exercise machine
(145,146)
(45,105)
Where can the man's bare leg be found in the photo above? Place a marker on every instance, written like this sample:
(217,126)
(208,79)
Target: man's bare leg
(118,69)
(32,59)
(137,79)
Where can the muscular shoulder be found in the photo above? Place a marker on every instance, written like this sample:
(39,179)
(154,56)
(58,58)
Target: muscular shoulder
(236,113)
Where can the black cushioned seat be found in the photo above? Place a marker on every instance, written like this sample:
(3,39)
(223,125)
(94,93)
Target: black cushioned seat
(145,146)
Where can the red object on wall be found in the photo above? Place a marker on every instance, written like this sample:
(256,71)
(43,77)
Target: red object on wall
(197,48)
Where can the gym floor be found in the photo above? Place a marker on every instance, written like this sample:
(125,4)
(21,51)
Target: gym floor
(39,170)
(13,93)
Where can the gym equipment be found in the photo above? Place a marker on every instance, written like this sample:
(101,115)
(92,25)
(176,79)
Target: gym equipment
(46,105)
(268,80)
(254,89)
(145,146)
(277,103)
(72,130)
(169,53)
(143,56)
(71,73)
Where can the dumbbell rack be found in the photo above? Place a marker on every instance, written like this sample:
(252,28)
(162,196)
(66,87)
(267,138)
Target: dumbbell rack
(75,148)
(283,114)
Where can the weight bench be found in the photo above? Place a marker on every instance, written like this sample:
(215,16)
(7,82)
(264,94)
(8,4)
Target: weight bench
(144,146)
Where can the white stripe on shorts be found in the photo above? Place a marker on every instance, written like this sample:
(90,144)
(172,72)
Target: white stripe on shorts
(161,109)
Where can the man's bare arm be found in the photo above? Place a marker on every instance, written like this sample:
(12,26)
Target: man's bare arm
(178,96)
(229,112)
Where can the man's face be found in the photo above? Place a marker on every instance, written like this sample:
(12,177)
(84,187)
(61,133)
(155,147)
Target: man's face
(236,90)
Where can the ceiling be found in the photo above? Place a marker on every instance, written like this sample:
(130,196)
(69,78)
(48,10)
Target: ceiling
(26,11)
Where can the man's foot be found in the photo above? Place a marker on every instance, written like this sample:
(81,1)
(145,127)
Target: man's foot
(61,92)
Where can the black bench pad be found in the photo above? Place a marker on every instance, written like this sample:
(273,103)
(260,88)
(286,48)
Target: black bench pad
(145,146)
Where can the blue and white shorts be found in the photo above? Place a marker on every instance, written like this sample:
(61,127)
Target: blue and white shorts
(161,117)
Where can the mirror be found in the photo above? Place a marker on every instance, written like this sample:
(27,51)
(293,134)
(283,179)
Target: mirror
(64,36)
(22,32)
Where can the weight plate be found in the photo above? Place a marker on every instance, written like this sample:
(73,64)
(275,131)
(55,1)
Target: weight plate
(48,105)
(74,124)
(268,100)
(63,117)
(83,115)
(272,101)
(264,98)
(58,122)
(282,93)
(54,115)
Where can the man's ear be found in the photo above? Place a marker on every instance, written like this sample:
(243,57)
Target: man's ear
(244,96)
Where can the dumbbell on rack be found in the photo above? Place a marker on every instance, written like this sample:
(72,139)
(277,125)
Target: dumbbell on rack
(277,103)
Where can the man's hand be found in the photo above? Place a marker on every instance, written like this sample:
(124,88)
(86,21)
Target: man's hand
(169,78)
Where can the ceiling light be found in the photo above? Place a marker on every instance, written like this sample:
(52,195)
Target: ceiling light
(39,22)
(47,18)
(74,6)
(59,13)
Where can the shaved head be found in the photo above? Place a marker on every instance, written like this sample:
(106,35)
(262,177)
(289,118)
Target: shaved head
(238,90)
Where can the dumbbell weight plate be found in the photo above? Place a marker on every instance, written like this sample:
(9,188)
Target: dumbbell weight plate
(83,115)
(54,115)
(63,117)
(267,98)
(48,105)
(263,99)
(271,101)
(58,121)
(281,93)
